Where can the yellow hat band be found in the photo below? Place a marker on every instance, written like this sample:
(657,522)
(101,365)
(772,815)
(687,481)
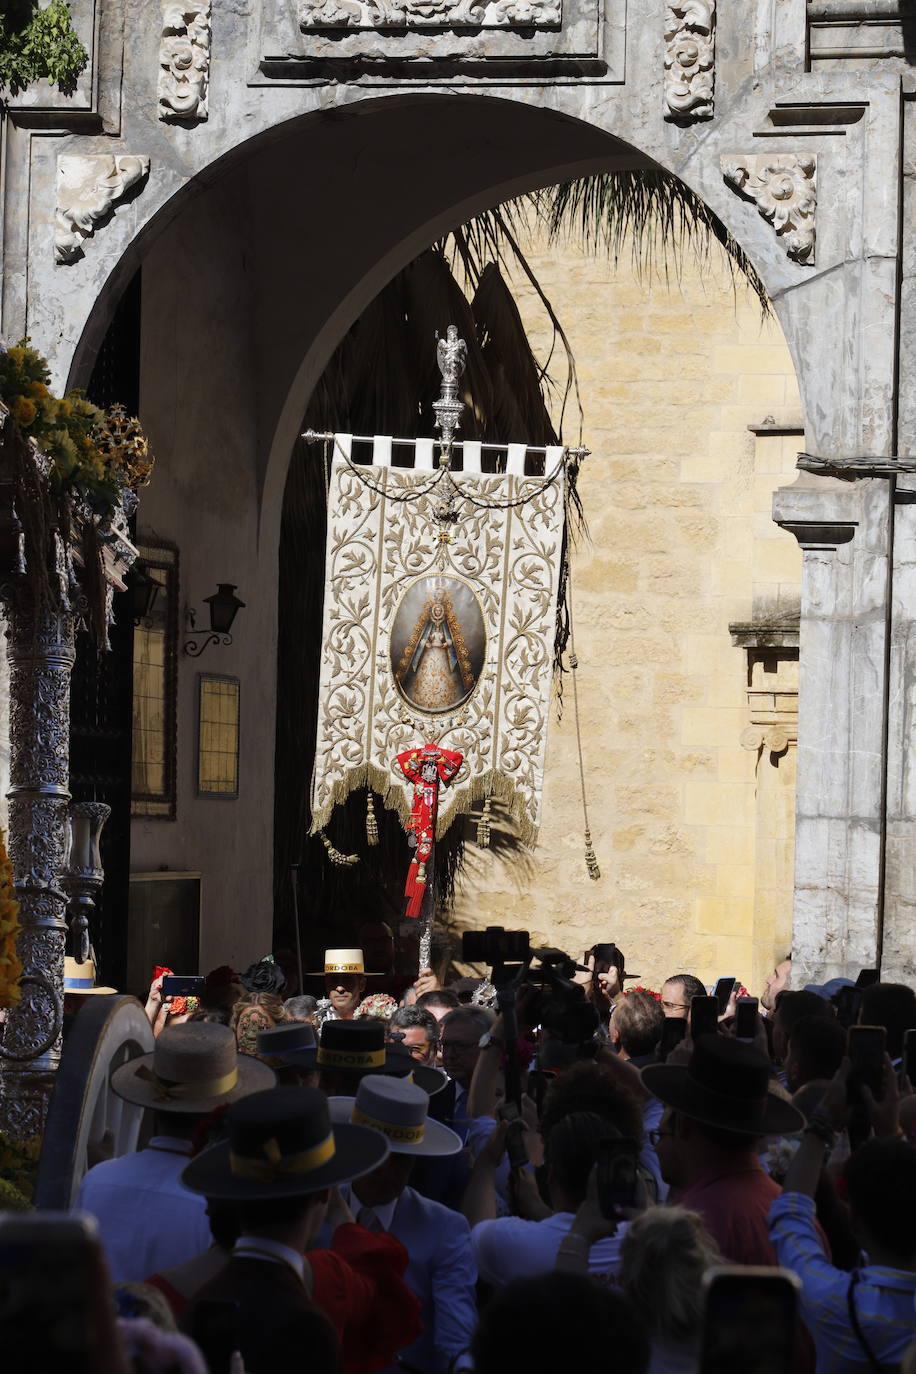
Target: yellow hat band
(275,1165)
(344,968)
(166,1091)
(350,1059)
(398,1135)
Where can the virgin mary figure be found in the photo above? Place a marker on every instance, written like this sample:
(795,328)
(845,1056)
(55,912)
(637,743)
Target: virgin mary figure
(434,671)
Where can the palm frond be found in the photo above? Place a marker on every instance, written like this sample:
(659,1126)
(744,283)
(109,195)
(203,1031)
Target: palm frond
(658,214)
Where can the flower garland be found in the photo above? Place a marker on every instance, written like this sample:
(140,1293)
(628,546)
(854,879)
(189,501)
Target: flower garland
(18,1172)
(650,992)
(93,452)
(10,963)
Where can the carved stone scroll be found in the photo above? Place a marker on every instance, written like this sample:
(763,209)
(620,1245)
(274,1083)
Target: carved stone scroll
(690,57)
(184,59)
(87,190)
(429,14)
(784,188)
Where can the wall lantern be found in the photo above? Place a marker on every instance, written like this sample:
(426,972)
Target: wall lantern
(143,592)
(224,606)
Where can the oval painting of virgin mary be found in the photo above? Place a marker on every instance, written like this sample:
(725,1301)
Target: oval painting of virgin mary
(438,643)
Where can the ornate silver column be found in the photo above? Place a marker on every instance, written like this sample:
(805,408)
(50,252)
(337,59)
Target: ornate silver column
(41,653)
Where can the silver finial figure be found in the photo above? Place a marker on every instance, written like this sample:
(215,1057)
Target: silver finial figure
(452,356)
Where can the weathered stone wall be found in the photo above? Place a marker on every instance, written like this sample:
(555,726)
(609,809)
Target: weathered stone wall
(693,832)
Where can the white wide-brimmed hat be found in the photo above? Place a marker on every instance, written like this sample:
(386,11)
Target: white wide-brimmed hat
(398,1110)
(345,961)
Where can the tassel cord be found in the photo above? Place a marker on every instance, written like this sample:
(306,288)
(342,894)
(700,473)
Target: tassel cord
(591,861)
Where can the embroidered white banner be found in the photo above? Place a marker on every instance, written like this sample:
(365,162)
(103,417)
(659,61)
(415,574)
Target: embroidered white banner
(439,631)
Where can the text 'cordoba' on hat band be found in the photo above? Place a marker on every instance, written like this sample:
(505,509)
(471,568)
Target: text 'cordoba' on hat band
(170,1091)
(267,1170)
(350,1059)
(401,1135)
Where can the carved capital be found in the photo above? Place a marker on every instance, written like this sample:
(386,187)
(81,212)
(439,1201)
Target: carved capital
(87,190)
(184,59)
(774,738)
(783,186)
(690,58)
(428,14)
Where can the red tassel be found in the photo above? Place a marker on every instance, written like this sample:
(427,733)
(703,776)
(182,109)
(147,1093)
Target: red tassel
(415,889)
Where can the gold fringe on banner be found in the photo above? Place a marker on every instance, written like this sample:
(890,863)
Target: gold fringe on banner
(486,787)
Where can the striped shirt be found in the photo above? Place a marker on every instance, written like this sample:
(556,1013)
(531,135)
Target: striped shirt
(884,1298)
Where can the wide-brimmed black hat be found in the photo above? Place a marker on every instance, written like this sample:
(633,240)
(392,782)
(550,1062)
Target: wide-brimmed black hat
(725,1084)
(291,1043)
(281,1144)
(194,1067)
(355,1048)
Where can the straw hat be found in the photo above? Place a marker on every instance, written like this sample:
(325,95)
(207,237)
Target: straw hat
(357,1048)
(281,1144)
(292,1043)
(80,979)
(725,1084)
(399,1110)
(194,1067)
(345,961)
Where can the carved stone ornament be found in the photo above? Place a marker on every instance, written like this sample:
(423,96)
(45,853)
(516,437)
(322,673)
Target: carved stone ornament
(87,190)
(784,189)
(184,59)
(428,14)
(690,57)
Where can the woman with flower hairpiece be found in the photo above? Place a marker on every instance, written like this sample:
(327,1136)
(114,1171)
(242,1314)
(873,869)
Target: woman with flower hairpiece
(261,1005)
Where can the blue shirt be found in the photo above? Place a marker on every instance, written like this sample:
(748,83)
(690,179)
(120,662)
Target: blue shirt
(884,1298)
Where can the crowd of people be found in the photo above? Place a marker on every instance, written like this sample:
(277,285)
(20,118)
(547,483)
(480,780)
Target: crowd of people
(506,1174)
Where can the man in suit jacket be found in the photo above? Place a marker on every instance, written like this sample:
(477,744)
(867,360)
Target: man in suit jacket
(278,1164)
(278,1324)
(441,1269)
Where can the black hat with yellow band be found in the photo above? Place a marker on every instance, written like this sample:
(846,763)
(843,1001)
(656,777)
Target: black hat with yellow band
(282,1144)
(398,1110)
(193,1068)
(351,1049)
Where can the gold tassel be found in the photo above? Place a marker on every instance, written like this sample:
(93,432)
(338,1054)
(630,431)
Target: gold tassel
(336,857)
(591,863)
(483,826)
(371,823)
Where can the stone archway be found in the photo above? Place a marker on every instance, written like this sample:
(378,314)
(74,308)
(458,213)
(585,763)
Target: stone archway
(778,136)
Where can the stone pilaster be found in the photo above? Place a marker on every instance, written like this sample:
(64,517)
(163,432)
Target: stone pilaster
(842,527)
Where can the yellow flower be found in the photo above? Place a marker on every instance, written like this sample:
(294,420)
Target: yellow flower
(24,411)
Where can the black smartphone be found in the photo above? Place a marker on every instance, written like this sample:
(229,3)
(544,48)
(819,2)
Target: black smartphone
(215,1328)
(618,1175)
(908,1062)
(722,991)
(749,1320)
(866,1055)
(183,985)
(674,1029)
(516,1152)
(746,1018)
(704,1016)
(55,1305)
(539,1080)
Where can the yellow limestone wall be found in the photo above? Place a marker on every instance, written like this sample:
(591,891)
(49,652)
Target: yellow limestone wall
(693,832)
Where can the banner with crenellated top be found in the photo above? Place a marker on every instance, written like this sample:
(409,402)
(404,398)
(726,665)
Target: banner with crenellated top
(443,576)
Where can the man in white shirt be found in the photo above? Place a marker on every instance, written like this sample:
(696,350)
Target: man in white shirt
(147,1219)
(508,1248)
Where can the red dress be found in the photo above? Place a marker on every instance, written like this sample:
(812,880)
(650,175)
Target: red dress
(359,1285)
